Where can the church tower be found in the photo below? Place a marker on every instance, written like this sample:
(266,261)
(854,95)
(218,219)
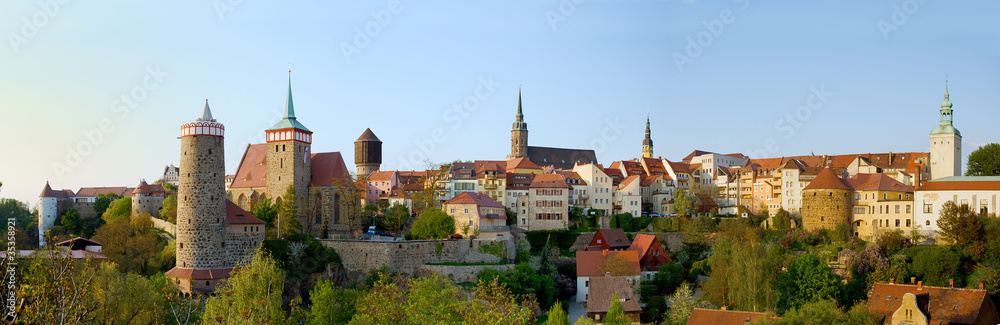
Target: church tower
(201,205)
(647,143)
(519,133)
(367,154)
(288,158)
(946,144)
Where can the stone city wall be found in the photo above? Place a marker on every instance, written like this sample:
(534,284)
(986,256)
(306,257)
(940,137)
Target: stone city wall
(165,226)
(408,256)
(464,273)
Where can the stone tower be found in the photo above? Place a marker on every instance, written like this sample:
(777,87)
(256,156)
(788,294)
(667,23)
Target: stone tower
(946,144)
(367,153)
(288,158)
(48,211)
(201,197)
(647,143)
(147,198)
(826,202)
(519,133)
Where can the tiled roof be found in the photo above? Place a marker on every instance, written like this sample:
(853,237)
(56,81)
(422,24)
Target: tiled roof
(60,194)
(628,181)
(549,181)
(654,165)
(614,237)
(327,166)
(589,263)
(693,154)
(723,317)
(368,135)
(144,188)
(827,180)
(398,193)
(642,244)
(561,157)
(236,215)
(78,243)
(521,163)
(603,288)
(679,167)
(517,181)
(648,180)
(479,199)
(95,191)
(252,171)
(962,183)
(199,274)
(953,305)
(381,175)
(877,182)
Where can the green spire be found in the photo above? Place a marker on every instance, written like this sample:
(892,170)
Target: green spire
(946,126)
(289,121)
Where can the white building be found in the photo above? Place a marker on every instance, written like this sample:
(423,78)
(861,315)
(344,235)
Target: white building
(978,192)
(946,144)
(599,185)
(628,196)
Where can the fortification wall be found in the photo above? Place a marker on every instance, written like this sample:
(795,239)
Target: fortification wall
(165,226)
(409,256)
(464,273)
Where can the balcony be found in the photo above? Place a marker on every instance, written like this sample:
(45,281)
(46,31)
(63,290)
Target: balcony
(490,186)
(494,228)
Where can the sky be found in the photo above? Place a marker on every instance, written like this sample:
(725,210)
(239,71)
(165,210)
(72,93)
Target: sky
(93,94)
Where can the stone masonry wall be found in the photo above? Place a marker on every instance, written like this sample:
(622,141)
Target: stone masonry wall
(165,226)
(408,256)
(201,207)
(464,273)
(825,209)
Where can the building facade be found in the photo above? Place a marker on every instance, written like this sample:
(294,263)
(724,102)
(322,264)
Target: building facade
(946,144)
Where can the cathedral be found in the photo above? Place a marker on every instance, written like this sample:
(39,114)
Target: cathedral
(286,159)
(543,156)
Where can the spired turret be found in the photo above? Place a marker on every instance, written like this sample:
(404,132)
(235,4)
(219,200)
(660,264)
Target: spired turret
(367,153)
(518,133)
(201,206)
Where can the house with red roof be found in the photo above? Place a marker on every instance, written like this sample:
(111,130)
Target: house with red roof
(479,213)
(652,255)
(700,316)
(920,304)
(980,193)
(546,207)
(590,264)
(881,203)
(605,288)
(609,239)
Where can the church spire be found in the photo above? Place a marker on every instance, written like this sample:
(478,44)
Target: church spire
(289,120)
(946,126)
(206,113)
(519,116)
(289,108)
(647,143)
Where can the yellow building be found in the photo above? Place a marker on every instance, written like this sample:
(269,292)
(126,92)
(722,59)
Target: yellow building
(881,204)
(479,213)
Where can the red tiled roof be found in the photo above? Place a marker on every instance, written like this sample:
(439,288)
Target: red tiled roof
(877,182)
(327,166)
(381,175)
(144,188)
(549,181)
(693,154)
(647,180)
(953,305)
(642,243)
(199,274)
(723,317)
(655,165)
(95,191)
(827,180)
(960,186)
(252,171)
(479,199)
(628,181)
(60,194)
(613,237)
(589,263)
(603,288)
(678,167)
(521,163)
(236,215)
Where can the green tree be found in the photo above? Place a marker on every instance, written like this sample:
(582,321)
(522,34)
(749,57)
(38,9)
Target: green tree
(495,304)
(383,304)
(168,211)
(432,300)
(125,298)
(331,305)
(396,218)
(288,216)
(557,316)
(70,220)
(682,303)
(117,209)
(133,245)
(524,283)
(985,161)
(433,224)
(616,314)
(752,276)
(266,211)
(251,296)
(808,279)
(781,220)
(56,289)
(824,312)
(959,224)
(684,204)
(936,265)
(103,201)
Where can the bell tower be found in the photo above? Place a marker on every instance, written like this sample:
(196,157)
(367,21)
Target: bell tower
(647,143)
(945,143)
(518,133)
(288,155)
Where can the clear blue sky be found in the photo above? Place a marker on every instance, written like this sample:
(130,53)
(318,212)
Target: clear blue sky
(581,67)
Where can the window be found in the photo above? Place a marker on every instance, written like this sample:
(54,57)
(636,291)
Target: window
(897,223)
(928,222)
(983,206)
(907,222)
(909,209)
(897,209)
(928,208)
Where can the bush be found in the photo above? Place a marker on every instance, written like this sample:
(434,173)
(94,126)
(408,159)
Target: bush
(563,239)
(300,255)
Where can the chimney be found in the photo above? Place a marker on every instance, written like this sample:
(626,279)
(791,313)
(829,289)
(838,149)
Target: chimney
(724,308)
(913,280)
(920,285)
(951,283)
(981,286)
(892,281)
(605,253)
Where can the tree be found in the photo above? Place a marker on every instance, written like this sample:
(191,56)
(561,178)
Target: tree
(384,304)
(616,314)
(936,265)
(959,224)
(103,202)
(808,279)
(781,220)
(168,211)
(758,217)
(432,300)
(125,298)
(433,224)
(616,265)
(70,220)
(495,304)
(331,305)
(751,276)
(557,316)
(56,289)
(426,197)
(985,161)
(265,211)
(288,216)
(252,295)
(133,245)
(524,283)
(825,312)
(396,218)
(352,192)
(685,204)
(682,303)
